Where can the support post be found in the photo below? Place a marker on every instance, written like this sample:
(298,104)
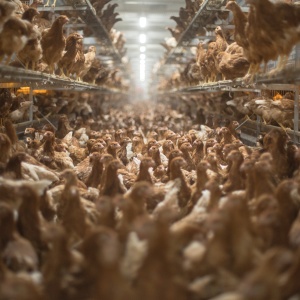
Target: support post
(296,114)
(31,105)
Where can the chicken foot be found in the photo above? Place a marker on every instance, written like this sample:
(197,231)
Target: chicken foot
(33,65)
(264,121)
(51,69)
(246,77)
(281,65)
(253,69)
(284,128)
(62,73)
(48,3)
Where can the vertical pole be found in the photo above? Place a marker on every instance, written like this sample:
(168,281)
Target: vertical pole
(296,114)
(258,121)
(31,105)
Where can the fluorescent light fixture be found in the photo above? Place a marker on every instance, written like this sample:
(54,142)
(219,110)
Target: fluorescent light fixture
(143,22)
(142,38)
(142,49)
(142,70)
(142,74)
(142,56)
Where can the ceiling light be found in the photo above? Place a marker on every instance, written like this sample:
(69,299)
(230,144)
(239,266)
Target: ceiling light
(143,56)
(143,22)
(142,73)
(142,38)
(142,49)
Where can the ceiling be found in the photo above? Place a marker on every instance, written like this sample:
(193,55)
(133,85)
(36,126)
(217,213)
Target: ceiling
(157,14)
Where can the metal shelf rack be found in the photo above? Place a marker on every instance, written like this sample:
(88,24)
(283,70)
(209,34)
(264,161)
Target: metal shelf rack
(200,20)
(288,79)
(89,16)
(87,13)
(11,77)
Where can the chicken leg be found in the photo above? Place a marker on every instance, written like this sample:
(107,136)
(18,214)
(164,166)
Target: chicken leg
(284,128)
(48,3)
(62,73)
(254,70)
(51,69)
(280,66)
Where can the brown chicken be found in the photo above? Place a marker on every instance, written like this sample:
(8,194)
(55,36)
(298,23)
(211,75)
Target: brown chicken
(5,148)
(79,60)
(13,38)
(47,154)
(63,127)
(144,174)
(275,142)
(17,253)
(88,61)
(113,148)
(210,62)
(53,43)
(240,22)
(160,259)
(184,194)
(93,72)
(232,63)
(200,60)
(202,179)
(61,267)
(111,183)
(234,181)
(32,51)
(6,9)
(94,178)
(69,56)
(283,29)
(30,223)
(221,43)
(186,149)
(242,34)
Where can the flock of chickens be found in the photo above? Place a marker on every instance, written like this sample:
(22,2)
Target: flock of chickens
(269,31)
(41,45)
(139,201)
(16,106)
(144,203)
(275,110)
